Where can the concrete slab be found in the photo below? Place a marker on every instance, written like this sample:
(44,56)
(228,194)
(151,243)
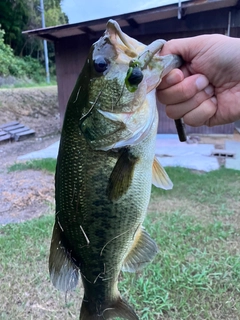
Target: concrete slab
(49,152)
(171,146)
(233,163)
(194,162)
(173,153)
(184,149)
(169,150)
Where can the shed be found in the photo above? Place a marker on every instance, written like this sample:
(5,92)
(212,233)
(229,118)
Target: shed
(191,18)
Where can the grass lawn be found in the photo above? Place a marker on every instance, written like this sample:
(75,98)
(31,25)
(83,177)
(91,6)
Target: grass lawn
(47,164)
(196,274)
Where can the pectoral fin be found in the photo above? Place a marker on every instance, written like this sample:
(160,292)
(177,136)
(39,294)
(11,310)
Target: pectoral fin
(160,177)
(63,272)
(142,252)
(121,176)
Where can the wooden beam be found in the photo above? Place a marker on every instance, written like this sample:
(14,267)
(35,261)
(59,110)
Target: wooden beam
(197,22)
(88,31)
(238,5)
(132,22)
(48,37)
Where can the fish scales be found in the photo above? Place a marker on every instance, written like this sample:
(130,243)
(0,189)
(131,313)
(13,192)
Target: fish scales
(105,168)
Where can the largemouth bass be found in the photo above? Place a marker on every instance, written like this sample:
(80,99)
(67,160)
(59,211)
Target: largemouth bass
(105,169)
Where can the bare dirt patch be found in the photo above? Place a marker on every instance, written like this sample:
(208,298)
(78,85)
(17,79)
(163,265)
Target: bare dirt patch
(24,195)
(27,194)
(36,108)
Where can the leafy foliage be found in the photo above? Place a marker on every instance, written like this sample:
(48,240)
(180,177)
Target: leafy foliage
(13,18)
(16,66)
(19,15)
(6,55)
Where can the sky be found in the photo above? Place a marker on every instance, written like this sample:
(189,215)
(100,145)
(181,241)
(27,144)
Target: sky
(84,10)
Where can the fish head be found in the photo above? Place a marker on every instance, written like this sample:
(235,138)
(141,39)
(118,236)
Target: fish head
(110,58)
(121,72)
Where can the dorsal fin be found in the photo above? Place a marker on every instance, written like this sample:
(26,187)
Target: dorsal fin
(143,250)
(63,272)
(160,177)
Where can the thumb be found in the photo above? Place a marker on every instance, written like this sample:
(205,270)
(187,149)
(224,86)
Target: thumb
(186,48)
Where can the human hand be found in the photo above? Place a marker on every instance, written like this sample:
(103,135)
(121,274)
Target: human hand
(207,88)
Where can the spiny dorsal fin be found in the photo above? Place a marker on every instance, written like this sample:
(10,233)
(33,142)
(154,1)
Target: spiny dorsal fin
(121,176)
(160,177)
(143,250)
(63,272)
(120,308)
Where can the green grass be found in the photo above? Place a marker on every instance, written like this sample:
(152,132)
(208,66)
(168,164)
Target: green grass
(47,164)
(196,274)
(32,84)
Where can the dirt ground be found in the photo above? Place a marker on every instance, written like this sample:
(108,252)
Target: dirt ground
(26,194)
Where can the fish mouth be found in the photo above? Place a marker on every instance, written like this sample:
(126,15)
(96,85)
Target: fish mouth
(120,40)
(137,52)
(113,29)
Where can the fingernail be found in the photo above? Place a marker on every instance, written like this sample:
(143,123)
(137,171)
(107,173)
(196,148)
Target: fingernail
(201,82)
(171,79)
(214,100)
(174,77)
(209,90)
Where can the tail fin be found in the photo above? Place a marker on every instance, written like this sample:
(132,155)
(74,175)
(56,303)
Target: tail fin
(120,309)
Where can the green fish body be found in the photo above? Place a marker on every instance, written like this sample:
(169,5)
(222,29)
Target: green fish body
(105,168)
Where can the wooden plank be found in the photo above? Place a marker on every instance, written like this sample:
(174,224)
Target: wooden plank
(17,126)
(5,138)
(18,130)
(9,124)
(2,133)
(23,135)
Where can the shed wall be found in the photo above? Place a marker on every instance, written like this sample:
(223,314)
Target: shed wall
(71,54)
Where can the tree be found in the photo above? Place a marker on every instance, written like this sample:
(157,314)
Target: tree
(13,19)
(19,15)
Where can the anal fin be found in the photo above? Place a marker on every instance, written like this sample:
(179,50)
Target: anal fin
(121,176)
(160,177)
(143,250)
(63,272)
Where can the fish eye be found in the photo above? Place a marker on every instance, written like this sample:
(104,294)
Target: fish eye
(100,64)
(135,76)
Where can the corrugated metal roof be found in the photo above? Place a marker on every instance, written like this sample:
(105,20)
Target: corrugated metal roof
(133,19)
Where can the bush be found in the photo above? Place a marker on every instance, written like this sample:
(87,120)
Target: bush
(26,67)
(6,56)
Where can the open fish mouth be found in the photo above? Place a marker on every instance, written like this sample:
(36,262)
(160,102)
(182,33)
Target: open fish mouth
(133,48)
(140,56)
